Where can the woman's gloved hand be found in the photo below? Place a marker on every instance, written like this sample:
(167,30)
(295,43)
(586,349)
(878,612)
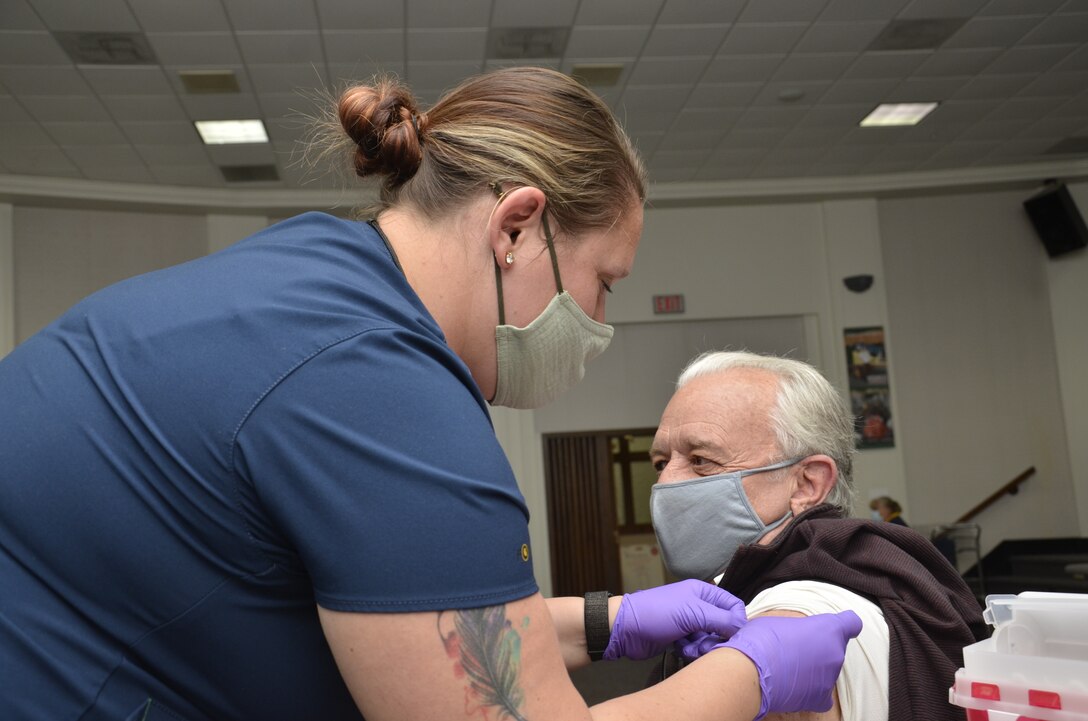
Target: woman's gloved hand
(649,621)
(798,659)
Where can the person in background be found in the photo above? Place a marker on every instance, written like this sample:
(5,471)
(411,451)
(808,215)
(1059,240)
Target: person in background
(888,510)
(754,456)
(265,484)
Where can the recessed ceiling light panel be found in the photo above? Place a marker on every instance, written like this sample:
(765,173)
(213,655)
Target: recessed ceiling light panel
(231,132)
(892,114)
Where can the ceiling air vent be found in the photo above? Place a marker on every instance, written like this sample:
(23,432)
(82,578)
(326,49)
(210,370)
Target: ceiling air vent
(597,75)
(106,48)
(1069,146)
(204,82)
(249,173)
(526,43)
(922,34)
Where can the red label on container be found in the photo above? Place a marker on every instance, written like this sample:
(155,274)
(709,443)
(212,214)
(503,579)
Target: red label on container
(986,690)
(669,303)
(1044,699)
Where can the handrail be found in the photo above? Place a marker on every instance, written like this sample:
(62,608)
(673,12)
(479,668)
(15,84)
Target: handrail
(1012,488)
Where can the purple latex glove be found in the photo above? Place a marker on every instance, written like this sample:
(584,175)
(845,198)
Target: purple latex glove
(649,621)
(798,659)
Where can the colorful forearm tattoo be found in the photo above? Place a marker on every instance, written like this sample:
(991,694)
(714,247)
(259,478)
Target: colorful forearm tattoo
(486,650)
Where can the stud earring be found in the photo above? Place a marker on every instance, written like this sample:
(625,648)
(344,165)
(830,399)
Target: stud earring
(509,257)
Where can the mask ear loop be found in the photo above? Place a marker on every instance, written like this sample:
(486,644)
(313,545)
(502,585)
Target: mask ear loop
(551,251)
(498,270)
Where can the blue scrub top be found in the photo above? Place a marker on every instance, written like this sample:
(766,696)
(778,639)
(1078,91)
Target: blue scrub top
(192,458)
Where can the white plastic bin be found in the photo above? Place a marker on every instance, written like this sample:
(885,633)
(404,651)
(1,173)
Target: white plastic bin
(1035,666)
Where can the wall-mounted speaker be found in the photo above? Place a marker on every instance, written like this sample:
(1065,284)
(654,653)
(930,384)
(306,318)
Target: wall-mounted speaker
(1057,221)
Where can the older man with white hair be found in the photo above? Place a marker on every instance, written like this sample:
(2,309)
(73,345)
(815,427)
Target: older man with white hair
(754,456)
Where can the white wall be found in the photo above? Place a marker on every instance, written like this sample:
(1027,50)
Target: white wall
(64,254)
(1067,280)
(969,306)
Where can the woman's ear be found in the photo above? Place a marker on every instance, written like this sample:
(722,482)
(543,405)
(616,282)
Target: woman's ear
(817,478)
(516,218)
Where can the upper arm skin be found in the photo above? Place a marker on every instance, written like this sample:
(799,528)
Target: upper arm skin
(427,665)
(434,665)
(834,714)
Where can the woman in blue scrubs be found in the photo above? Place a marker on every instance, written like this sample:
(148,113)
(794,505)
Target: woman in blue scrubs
(264,484)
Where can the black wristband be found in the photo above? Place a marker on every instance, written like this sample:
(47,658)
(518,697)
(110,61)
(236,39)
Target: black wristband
(598,630)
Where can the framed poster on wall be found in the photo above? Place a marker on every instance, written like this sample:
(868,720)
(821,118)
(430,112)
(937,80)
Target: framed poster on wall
(870,395)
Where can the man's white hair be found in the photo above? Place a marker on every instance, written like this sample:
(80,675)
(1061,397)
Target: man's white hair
(809,417)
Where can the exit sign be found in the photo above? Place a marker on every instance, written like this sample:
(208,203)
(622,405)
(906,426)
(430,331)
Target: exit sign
(669,303)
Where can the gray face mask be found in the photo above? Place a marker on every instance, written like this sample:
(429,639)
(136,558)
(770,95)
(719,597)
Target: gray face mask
(701,523)
(538,363)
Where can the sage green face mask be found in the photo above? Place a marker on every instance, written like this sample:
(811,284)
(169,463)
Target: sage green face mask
(538,363)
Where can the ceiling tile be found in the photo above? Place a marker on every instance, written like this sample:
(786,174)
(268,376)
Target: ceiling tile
(1028,60)
(995,87)
(687,12)
(221,107)
(995,32)
(693,120)
(662,71)
(925,90)
(1033,108)
(127,80)
(860,91)
(94,17)
(684,40)
(755,39)
(255,15)
(699,140)
(448,44)
(1060,30)
(279,105)
(836,116)
(854,10)
(246,154)
(606,12)
(82,133)
(1020,7)
(204,176)
(12,112)
(281,47)
(964,152)
(161,133)
(1056,84)
(353,15)
(943,63)
(30,48)
(36,80)
(723,95)
(1077,60)
(179,17)
(40,160)
(954,112)
(354,73)
(461,14)
(21,134)
(606,42)
(646,143)
(439,75)
(17,15)
(993,130)
(285,78)
(678,174)
(804,137)
(47,108)
(555,13)
(1052,128)
(639,98)
(654,121)
(870,66)
(809,66)
(89,157)
(119,174)
(839,37)
(195,48)
(941,9)
(782,11)
(784,170)
(370,47)
(742,68)
(139,108)
(780,118)
(750,139)
(772,94)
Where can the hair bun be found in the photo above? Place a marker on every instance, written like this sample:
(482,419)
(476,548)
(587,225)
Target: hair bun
(385,125)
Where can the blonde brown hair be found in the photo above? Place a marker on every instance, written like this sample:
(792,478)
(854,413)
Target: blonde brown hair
(521,126)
